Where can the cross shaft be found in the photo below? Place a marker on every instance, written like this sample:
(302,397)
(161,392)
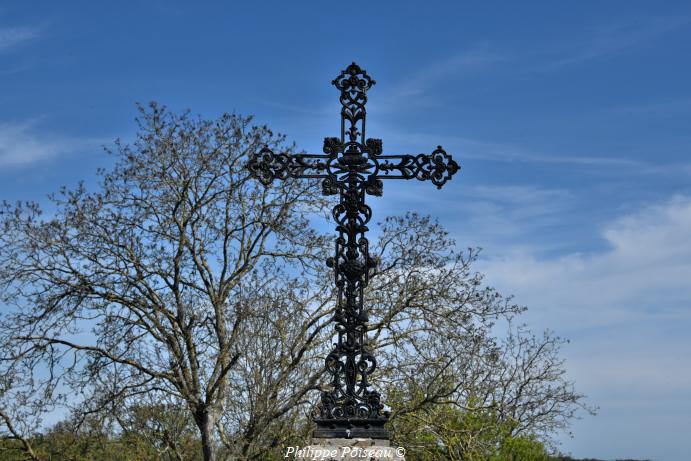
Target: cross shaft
(352,166)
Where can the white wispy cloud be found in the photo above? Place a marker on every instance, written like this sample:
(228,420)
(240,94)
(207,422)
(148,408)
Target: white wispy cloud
(415,89)
(612,39)
(627,309)
(464,148)
(620,292)
(13,36)
(665,107)
(500,215)
(466,61)
(643,271)
(509,153)
(23,144)
(493,217)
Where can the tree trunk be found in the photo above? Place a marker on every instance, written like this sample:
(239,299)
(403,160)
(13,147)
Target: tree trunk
(205,422)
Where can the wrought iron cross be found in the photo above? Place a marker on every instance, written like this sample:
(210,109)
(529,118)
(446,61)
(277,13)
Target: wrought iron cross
(352,166)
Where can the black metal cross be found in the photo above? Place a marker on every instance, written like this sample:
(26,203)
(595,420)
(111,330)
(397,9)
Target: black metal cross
(352,166)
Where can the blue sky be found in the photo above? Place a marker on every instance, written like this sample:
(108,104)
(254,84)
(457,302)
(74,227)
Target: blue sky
(572,123)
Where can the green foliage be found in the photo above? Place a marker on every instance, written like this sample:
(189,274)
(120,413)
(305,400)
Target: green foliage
(440,433)
(444,432)
(147,437)
(70,446)
(521,448)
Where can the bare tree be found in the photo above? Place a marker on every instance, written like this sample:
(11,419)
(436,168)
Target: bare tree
(20,414)
(139,284)
(163,422)
(284,347)
(184,280)
(434,325)
(449,340)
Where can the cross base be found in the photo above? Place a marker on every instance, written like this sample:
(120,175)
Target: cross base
(348,428)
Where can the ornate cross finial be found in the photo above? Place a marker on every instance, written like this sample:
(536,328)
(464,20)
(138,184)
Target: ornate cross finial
(352,166)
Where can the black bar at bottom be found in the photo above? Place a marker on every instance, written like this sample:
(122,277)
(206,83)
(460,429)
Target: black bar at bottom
(351,428)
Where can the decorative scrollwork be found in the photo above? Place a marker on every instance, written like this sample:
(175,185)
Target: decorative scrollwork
(333,146)
(374,186)
(267,166)
(374,146)
(437,167)
(352,168)
(329,186)
(353,83)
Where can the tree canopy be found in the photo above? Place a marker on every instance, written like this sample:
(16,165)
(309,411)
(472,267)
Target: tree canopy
(183,307)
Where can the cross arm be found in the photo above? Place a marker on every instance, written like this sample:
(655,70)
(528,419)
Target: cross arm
(267,165)
(437,167)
